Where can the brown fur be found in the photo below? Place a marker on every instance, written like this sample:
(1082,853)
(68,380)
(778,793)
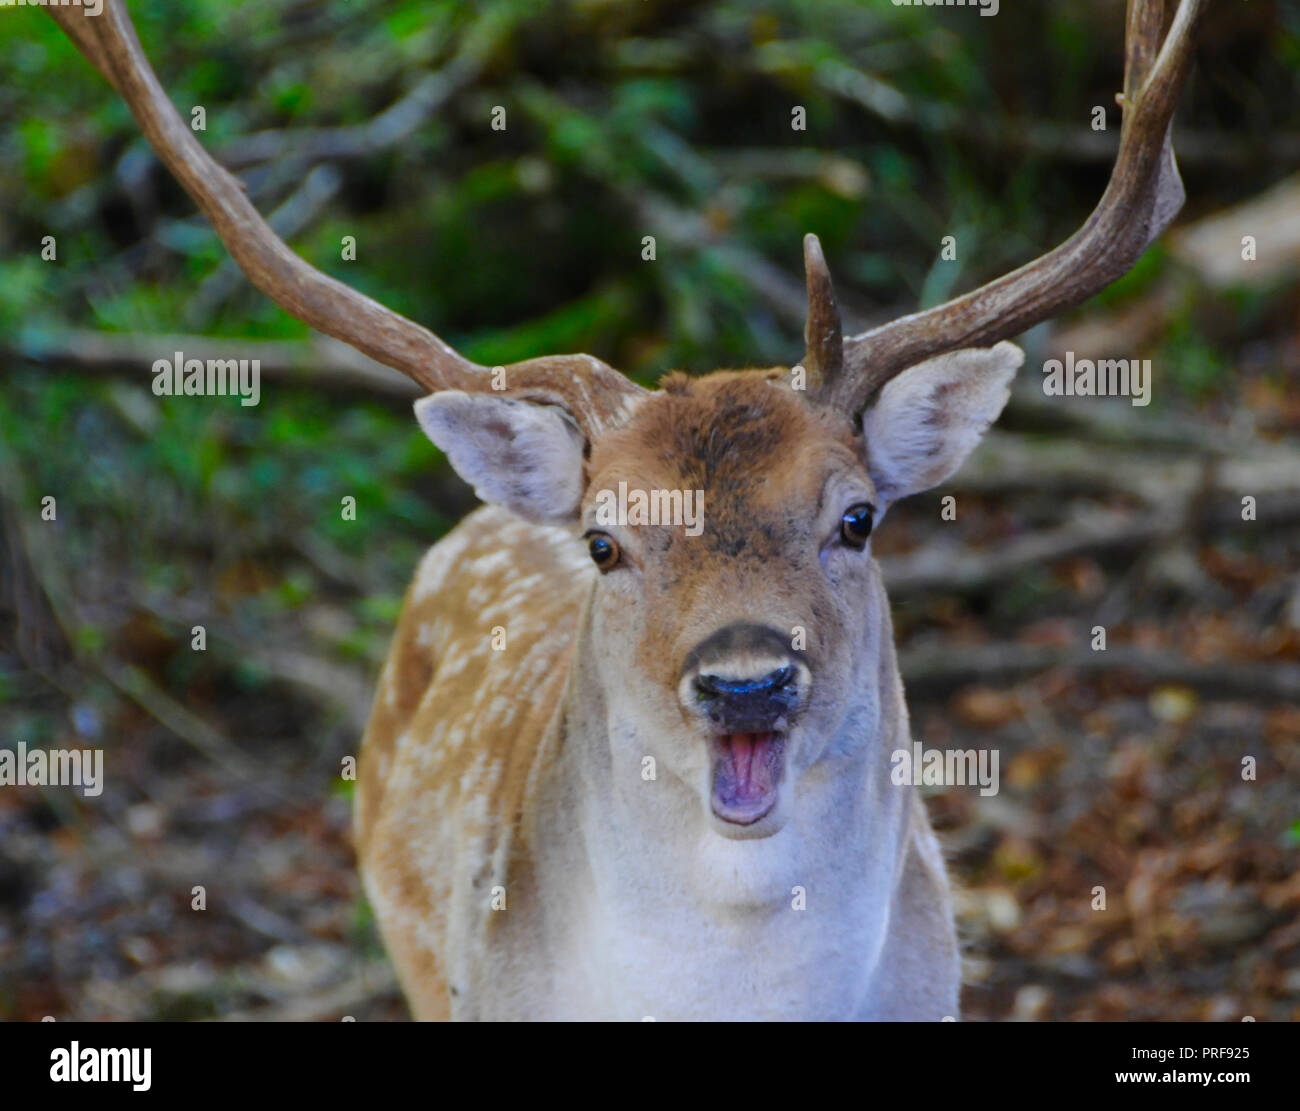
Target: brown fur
(457,793)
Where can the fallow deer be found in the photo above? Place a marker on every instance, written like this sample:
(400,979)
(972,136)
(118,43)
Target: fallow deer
(520,861)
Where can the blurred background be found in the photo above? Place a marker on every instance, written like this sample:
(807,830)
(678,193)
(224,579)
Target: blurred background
(1121,768)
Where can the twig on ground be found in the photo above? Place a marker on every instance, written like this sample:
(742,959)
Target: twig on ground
(937,671)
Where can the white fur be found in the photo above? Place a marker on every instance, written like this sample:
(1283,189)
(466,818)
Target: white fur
(929,418)
(524,457)
(642,910)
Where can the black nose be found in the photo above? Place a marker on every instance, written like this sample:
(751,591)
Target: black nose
(746,679)
(760,704)
(710,686)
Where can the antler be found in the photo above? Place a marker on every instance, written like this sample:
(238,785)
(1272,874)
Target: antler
(1142,197)
(592,392)
(823,335)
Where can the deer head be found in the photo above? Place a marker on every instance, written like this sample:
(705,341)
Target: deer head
(736,655)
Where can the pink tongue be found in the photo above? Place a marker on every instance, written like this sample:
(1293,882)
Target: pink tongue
(750,775)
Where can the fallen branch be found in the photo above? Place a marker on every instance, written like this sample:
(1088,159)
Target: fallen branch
(347,690)
(61,604)
(1010,462)
(1111,421)
(321,362)
(393,125)
(1044,139)
(178,720)
(940,670)
(1095,533)
(963,571)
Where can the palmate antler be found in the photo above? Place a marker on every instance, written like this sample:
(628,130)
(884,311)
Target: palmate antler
(589,390)
(1142,197)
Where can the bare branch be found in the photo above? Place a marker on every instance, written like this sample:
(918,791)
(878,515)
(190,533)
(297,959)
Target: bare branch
(1142,197)
(938,671)
(591,391)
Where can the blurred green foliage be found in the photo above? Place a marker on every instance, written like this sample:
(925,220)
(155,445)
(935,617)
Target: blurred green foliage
(665,117)
(528,239)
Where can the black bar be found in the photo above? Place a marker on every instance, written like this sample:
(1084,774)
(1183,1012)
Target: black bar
(362,1060)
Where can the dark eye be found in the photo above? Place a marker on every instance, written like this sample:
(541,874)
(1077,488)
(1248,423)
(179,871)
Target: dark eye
(855,525)
(603,550)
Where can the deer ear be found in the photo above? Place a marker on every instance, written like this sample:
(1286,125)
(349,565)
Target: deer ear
(520,455)
(929,418)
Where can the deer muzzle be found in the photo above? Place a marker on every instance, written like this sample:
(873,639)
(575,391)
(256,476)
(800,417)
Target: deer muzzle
(747,685)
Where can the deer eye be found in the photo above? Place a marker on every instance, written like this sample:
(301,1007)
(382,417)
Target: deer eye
(855,525)
(603,550)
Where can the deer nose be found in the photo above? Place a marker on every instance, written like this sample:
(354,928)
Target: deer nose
(745,679)
(754,704)
(712,686)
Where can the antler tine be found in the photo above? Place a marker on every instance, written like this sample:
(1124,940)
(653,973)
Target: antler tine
(1142,197)
(591,391)
(823,335)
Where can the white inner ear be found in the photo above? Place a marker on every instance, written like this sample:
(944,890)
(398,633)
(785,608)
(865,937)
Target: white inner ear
(930,418)
(523,456)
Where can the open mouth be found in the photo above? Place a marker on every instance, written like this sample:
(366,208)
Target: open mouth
(747,770)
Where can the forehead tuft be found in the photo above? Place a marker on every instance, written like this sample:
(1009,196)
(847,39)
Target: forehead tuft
(725,431)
